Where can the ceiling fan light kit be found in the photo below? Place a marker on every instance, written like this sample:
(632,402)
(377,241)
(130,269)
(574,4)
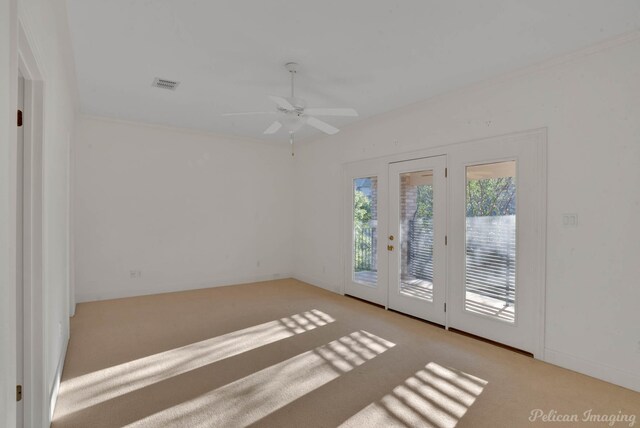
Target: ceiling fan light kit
(294,114)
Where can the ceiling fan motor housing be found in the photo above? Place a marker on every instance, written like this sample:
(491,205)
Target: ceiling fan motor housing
(298,103)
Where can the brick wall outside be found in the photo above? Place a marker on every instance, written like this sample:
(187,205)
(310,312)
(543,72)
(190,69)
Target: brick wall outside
(408,207)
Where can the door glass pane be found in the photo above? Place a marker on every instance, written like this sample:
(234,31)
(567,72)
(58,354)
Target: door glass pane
(365,234)
(416,234)
(490,273)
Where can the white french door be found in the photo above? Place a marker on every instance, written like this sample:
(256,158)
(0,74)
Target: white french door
(416,240)
(496,240)
(366,229)
(395,238)
(455,237)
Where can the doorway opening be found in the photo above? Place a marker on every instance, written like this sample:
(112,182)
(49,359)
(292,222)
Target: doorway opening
(32,408)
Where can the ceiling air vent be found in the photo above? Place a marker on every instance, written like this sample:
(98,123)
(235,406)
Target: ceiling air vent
(165,84)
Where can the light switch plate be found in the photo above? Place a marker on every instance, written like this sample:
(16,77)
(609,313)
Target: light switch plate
(570,220)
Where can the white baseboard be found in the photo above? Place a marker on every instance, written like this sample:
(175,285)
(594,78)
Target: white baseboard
(171,288)
(335,288)
(53,393)
(593,369)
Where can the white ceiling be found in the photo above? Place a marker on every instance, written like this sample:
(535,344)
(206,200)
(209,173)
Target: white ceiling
(373,55)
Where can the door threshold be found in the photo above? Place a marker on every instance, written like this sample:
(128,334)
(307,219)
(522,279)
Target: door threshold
(492,342)
(453,330)
(365,301)
(435,324)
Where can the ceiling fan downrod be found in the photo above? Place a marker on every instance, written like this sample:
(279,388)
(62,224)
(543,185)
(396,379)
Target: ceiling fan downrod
(293,68)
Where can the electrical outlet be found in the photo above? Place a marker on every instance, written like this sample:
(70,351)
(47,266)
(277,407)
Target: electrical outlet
(135,274)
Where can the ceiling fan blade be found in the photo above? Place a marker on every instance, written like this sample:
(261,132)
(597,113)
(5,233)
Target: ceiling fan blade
(331,112)
(322,126)
(249,113)
(273,128)
(282,102)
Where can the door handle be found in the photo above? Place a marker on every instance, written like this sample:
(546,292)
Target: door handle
(390,247)
(390,237)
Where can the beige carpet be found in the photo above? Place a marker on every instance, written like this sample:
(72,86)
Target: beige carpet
(286,354)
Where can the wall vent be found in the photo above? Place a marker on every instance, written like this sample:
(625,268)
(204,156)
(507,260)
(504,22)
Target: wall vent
(165,84)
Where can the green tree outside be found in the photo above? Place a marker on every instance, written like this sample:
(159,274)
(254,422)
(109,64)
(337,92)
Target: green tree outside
(362,228)
(491,197)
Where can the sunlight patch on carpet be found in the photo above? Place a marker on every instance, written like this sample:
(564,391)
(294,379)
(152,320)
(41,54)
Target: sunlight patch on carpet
(253,397)
(435,396)
(97,387)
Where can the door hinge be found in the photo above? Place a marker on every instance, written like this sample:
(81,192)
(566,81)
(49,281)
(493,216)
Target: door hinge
(19,117)
(18,392)
(445,172)
(445,307)
(445,240)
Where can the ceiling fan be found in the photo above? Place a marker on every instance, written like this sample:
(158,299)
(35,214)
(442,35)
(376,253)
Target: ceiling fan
(293,112)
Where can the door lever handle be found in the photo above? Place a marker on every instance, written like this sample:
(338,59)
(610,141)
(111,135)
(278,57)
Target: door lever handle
(390,247)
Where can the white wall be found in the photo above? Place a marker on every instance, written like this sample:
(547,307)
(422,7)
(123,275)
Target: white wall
(590,103)
(47,30)
(187,209)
